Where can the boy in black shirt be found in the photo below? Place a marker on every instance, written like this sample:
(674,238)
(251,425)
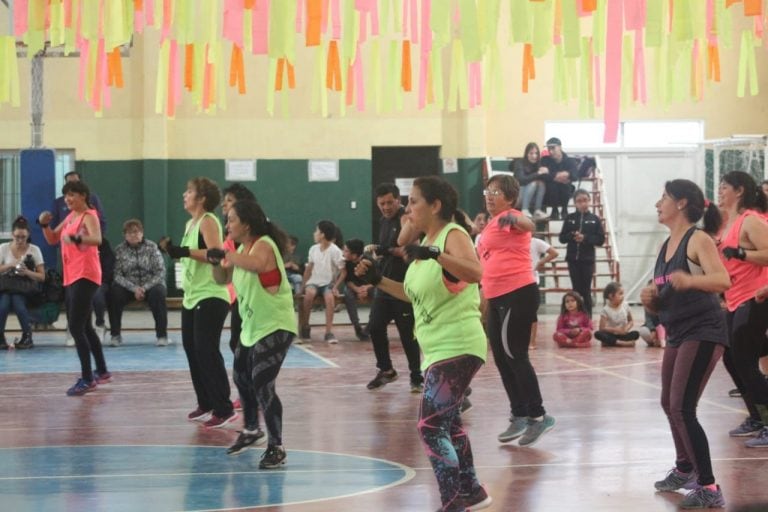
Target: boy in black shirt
(354,288)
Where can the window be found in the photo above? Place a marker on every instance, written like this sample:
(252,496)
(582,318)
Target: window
(632,134)
(10,183)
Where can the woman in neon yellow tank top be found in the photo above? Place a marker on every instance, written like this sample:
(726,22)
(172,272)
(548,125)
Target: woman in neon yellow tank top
(442,285)
(265,300)
(205,305)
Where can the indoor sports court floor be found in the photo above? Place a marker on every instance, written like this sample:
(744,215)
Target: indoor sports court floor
(128,446)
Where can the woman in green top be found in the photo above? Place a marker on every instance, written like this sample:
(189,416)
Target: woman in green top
(265,301)
(442,285)
(205,305)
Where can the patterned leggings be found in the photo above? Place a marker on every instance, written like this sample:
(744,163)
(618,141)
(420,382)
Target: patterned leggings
(255,371)
(445,440)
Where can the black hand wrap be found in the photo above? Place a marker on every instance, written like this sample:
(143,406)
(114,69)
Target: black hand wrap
(372,273)
(735,252)
(214,256)
(422,252)
(507,220)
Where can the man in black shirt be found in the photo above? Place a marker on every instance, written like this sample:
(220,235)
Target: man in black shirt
(562,172)
(385,307)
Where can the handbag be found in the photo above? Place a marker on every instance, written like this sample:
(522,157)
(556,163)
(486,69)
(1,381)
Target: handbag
(15,283)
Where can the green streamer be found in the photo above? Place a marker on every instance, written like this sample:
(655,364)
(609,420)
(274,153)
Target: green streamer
(470,31)
(586,105)
(542,27)
(520,20)
(598,29)
(682,21)
(571,30)
(560,81)
(654,23)
(437,79)
(440,22)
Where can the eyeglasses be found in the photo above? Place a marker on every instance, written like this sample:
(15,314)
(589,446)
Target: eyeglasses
(22,238)
(488,192)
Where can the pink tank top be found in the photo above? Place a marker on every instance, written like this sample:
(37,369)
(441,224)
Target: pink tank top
(505,255)
(80,261)
(746,277)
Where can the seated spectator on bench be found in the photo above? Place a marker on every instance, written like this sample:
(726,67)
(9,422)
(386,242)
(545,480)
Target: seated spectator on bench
(293,266)
(354,288)
(140,276)
(21,259)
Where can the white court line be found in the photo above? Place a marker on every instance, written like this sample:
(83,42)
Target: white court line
(605,370)
(314,354)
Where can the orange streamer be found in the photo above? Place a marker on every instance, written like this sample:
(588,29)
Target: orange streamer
(405,71)
(189,66)
(115,68)
(729,3)
(314,22)
(588,5)
(237,69)
(138,5)
(558,25)
(333,68)
(291,75)
(713,68)
(529,66)
(753,7)
(279,74)
(249,4)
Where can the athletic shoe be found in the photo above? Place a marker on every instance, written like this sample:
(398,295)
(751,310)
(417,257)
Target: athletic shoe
(382,378)
(237,405)
(81,387)
(330,338)
(247,440)
(104,330)
(220,422)
(115,341)
(761,441)
(199,415)
(361,334)
(466,405)
(703,498)
(536,429)
(69,341)
(417,386)
(476,500)
(102,378)
(273,457)
(749,427)
(677,480)
(734,393)
(540,215)
(25,342)
(162,341)
(517,427)
(305,335)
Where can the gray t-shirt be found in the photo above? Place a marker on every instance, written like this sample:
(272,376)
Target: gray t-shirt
(7,257)
(615,317)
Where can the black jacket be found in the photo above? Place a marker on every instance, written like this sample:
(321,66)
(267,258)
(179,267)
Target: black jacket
(591,227)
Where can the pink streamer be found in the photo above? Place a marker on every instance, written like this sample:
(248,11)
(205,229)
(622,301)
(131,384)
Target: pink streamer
(638,84)
(362,34)
(149,12)
(84,47)
(138,20)
(613,44)
(423,63)
(359,82)
(758,26)
(233,22)
(426,30)
(374,18)
(99,78)
(324,18)
(173,73)
(335,20)
(414,22)
(711,36)
(634,15)
(260,26)
(167,23)
(580,9)
(299,15)
(20,17)
(475,84)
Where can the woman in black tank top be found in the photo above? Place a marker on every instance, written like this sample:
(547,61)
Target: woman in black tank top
(687,278)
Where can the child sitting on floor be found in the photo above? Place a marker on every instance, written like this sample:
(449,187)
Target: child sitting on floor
(574,326)
(616,319)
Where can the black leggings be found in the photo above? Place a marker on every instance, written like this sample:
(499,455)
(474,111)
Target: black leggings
(201,335)
(79,296)
(383,311)
(747,326)
(509,323)
(581,273)
(685,371)
(256,370)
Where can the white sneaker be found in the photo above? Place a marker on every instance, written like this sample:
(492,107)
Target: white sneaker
(163,342)
(115,341)
(70,341)
(330,338)
(540,215)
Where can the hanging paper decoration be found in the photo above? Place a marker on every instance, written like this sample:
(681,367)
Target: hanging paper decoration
(387,45)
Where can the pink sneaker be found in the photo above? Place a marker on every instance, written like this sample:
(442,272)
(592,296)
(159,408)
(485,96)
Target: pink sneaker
(102,378)
(216,422)
(236,405)
(199,415)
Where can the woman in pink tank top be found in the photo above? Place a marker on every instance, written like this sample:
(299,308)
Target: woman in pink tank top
(80,237)
(743,246)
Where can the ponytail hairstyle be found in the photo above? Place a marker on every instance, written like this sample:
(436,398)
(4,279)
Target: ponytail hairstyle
(462,219)
(610,290)
(753,197)
(251,214)
(697,207)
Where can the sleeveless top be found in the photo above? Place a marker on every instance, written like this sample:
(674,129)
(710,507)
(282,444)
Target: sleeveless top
(447,324)
(79,261)
(505,254)
(746,277)
(197,281)
(689,314)
(263,312)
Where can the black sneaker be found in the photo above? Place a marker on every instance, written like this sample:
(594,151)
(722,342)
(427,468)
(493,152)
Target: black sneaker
(361,334)
(466,405)
(273,458)
(25,342)
(555,214)
(382,378)
(247,440)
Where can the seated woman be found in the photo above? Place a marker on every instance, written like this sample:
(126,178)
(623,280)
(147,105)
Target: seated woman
(20,258)
(139,275)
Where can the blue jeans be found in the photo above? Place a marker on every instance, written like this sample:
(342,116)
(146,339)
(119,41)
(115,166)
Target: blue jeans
(19,304)
(534,191)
